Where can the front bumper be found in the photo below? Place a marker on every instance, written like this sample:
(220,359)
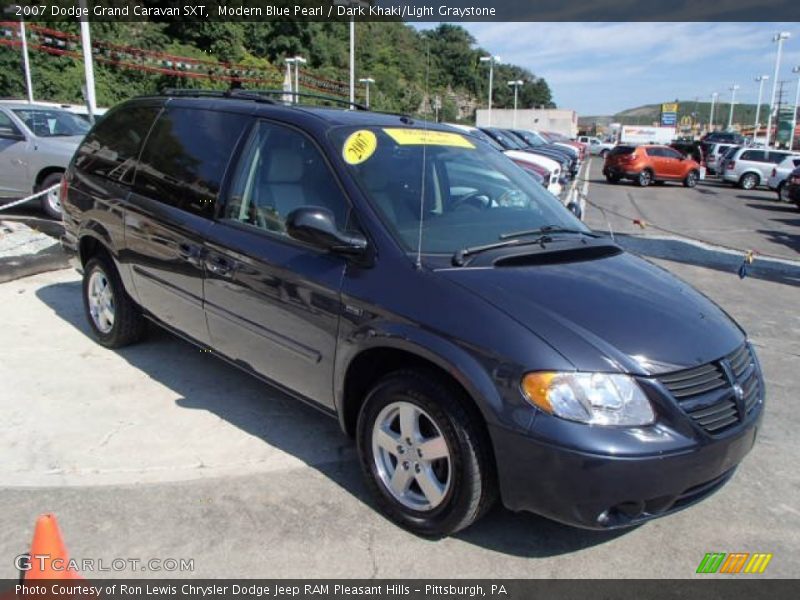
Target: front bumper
(604,491)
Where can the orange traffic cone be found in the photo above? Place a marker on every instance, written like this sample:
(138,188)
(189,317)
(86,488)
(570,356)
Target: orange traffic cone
(49,558)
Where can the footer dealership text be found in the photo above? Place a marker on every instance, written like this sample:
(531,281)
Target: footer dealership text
(251,590)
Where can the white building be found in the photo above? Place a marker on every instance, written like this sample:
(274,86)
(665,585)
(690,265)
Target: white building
(560,120)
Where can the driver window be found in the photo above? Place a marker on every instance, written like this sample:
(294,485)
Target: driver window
(281,170)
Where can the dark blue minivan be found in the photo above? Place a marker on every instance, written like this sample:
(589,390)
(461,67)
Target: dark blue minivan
(474,337)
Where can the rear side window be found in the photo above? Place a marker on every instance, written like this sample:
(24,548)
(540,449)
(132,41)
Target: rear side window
(185,158)
(776,157)
(722,150)
(621,150)
(754,155)
(112,147)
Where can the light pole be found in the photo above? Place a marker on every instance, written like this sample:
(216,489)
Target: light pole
(366,81)
(289,63)
(796,70)
(779,38)
(492,60)
(298,60)
(88,65)
(714,97)
(760,79)
(515,84)
(733,89)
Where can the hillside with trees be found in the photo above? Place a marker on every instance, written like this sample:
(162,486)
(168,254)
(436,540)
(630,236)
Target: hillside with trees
(403,61)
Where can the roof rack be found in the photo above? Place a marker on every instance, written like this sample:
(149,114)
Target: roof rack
(308,95)
(237,93)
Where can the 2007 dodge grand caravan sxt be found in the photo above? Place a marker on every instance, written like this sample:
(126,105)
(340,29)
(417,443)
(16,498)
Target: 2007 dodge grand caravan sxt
(472,335)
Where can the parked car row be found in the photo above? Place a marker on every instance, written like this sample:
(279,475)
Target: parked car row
(749,168)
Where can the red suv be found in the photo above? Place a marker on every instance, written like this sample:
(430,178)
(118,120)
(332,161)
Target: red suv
(648,164)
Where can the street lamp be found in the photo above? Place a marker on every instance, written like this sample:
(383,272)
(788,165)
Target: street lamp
(760,79)
(733,89)
(492,60)
(796,70)
(779,38)
(366,81)
(714,97)
(289,63)
(353,6)
(298,60)
(515,84)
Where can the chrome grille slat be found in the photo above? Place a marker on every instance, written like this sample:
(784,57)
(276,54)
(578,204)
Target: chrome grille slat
(687,374)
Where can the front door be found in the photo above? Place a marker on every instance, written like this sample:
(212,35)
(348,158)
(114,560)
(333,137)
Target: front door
(272,303)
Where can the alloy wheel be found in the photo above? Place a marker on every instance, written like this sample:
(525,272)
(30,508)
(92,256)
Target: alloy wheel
(411,455)
(101,301)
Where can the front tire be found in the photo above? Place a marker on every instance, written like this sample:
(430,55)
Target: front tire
(114,318)
(691,180)
(51,202)
(425,456)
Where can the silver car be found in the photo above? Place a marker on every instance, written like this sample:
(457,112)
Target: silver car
(36,144)
(751,167)
(780,173)
(714,154)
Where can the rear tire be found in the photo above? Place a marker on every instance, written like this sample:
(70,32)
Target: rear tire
(114,317)
(691,180)
(51,202)
(432,493)
(748,181)
(644,178)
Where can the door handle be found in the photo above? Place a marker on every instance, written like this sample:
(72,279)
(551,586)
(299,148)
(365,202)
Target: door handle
(189,251)
(220,265)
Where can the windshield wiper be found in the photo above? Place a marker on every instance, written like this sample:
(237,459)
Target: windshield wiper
(459,257)
(545,229)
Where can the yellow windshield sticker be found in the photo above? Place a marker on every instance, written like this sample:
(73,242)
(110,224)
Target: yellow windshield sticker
(422,137)
(359,146)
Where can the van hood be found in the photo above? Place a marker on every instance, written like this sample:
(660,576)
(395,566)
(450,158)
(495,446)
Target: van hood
(619,313)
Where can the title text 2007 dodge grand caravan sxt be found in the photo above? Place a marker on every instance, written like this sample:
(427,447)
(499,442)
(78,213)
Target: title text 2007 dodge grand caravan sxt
(473,336)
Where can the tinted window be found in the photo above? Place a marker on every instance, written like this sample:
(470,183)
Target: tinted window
(657,152)
(776,157)
(722,149)
(185,158)
(670,153)
(731,151)
(281,170)
(620,150)
(112,147)
(754,155)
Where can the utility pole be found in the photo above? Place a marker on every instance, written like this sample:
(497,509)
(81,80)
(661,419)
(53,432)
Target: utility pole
(760,80)
(779,102)
(733,89)
(778,38)
(492,60)
(714,97)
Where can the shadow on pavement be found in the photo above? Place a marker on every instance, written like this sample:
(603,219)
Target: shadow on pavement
(263,411)
(704,256)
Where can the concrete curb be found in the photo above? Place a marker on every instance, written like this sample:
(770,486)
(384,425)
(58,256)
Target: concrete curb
(51,258)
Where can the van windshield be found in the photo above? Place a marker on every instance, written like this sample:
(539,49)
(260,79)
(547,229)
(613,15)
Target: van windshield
(467,194)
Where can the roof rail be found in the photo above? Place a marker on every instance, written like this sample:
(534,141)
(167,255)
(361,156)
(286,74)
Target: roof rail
(308,95)
(237,94)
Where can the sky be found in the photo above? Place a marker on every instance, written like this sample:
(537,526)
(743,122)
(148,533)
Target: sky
(603,68)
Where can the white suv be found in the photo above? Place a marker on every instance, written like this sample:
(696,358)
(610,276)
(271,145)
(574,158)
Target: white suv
(780,173)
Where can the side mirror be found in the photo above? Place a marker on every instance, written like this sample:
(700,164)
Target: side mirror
(317,226)
(6,133)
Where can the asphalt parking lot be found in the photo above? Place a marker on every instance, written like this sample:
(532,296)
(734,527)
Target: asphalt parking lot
(162,451)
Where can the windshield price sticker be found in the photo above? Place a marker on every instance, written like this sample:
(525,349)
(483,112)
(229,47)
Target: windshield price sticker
(422,137)
(359,146)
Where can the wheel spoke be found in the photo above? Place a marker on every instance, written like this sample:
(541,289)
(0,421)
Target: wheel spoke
(434,448)
(430,486)
(387,441)
(401,479)
(409,422)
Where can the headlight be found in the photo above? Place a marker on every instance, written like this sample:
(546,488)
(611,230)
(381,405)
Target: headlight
(593,398)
